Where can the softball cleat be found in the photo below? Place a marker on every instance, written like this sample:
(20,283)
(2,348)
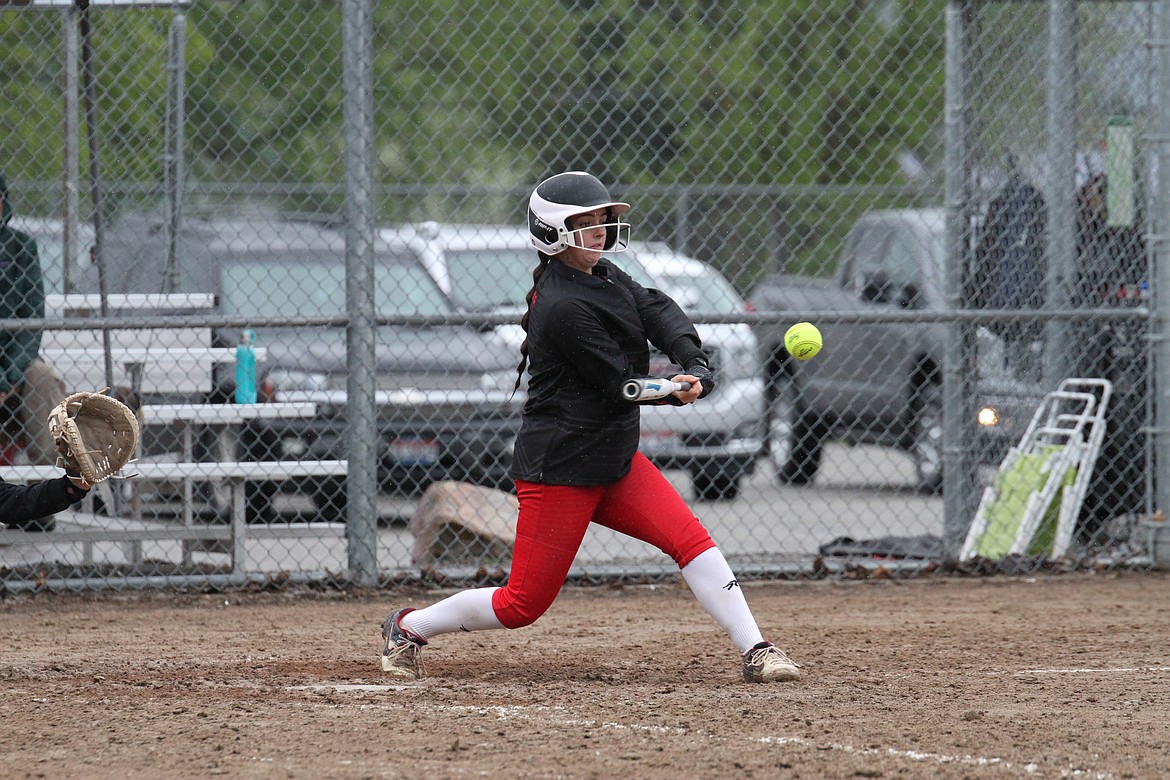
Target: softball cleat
(767,663)
(402,652)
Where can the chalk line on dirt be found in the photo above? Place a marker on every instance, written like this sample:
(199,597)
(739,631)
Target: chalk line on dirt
(525,712)
(348,687)
(542,713)
(1088,670)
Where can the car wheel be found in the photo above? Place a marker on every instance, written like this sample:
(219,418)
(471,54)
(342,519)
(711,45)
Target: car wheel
(330,501)
(716,482)
(926,447)
(258,497)
(215,498)
(795,441)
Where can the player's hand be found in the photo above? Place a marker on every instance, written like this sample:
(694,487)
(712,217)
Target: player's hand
(687,396)
(699,369)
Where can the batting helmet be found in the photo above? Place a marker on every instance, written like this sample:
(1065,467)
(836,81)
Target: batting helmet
(566,195)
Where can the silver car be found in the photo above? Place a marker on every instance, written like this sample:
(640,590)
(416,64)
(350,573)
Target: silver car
(440,415)
(488,268)
(716,440)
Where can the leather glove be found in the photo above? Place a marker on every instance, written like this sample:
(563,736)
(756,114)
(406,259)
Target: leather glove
(96,435)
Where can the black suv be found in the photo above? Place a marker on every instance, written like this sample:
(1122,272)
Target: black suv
(446,410)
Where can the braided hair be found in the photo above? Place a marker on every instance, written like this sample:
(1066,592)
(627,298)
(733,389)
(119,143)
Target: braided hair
(536,274)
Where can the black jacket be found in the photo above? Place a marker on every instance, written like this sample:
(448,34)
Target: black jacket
(587,335)
(21,503)
(22,296)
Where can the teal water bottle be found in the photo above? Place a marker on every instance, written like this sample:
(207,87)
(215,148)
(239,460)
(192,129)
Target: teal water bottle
(246,368)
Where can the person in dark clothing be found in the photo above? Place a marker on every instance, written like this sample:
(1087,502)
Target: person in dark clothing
(28,506)
(1010,264)
(576,459)
(1110,271)
(29,388)
(1111,259)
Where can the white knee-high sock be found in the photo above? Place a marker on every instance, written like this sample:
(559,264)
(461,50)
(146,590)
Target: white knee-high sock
(714,585)
(467,610)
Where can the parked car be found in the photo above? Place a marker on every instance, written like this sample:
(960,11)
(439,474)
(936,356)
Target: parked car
(718,440)
(443,392)
(878,383)
(488,269)
(50,237)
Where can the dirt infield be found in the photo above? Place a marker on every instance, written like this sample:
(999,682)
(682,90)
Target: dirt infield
(954,678)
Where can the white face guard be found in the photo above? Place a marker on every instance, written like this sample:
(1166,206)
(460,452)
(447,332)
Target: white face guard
(619,230)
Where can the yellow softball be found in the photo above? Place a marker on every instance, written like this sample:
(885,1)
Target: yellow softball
(803,340)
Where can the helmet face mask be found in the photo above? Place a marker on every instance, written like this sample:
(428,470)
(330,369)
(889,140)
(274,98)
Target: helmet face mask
(559,198)
(617,235)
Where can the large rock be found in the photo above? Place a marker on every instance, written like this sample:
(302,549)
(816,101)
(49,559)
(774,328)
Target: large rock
(457,522)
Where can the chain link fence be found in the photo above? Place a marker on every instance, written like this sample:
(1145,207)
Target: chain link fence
(961,197)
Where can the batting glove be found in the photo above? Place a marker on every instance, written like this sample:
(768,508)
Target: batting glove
(699,369)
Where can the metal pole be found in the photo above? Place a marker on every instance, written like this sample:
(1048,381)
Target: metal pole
(71,187)
(1160,246)
(1060,196)
(361,412)
(958,461)
(173,170)
(89,89)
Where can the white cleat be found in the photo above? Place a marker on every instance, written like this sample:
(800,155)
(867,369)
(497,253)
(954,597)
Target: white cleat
(402,651)
(767,663)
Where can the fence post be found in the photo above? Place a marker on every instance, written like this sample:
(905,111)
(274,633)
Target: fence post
(361,413)
(958,478)
(1160,245)
(1061,183)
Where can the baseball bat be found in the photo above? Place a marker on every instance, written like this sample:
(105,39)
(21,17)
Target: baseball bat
(649,389)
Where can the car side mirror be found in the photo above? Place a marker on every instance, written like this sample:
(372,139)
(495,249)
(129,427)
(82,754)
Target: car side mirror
(875,287)
(911,296)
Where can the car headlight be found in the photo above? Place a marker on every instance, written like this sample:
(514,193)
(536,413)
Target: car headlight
(290,379)
(988,417)
(294,446)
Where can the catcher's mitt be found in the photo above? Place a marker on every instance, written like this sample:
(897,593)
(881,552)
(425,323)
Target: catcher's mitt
(95,434)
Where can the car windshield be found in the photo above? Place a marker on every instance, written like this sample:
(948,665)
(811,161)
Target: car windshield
(630,264)
(485,279)
(278,287)
(51,250)
(938,249)
(707,293)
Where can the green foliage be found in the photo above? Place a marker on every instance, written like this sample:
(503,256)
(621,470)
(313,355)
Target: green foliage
(265,91)
(478,94)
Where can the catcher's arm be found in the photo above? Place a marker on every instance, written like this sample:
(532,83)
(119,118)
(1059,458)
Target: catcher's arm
(21,503)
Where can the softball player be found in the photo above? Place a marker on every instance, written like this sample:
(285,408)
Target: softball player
(576,458)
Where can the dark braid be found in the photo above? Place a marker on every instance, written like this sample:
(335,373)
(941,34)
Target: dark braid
(536,274)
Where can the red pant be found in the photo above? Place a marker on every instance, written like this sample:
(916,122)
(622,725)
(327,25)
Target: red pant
(553,520)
